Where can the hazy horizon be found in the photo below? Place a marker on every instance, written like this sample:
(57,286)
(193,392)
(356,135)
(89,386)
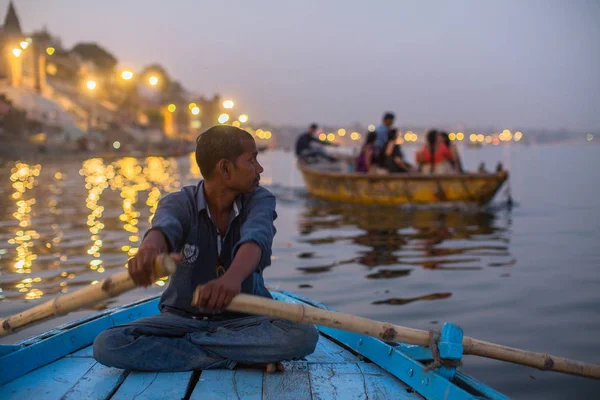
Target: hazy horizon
(528,63)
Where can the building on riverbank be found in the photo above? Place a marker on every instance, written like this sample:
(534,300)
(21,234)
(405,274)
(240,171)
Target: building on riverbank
(54,90)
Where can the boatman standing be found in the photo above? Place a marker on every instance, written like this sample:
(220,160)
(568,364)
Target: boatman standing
(220,232)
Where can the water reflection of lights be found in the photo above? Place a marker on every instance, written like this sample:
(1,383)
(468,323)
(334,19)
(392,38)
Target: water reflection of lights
(127,177)
(24,177)
(96,181)
(130,178)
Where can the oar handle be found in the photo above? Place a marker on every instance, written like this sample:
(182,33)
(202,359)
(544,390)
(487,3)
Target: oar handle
(545,362)
(303,313)
(112,286)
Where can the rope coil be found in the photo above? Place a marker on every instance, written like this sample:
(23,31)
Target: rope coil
(434,340)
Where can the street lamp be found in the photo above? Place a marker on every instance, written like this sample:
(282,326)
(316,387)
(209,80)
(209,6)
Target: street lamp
(223,118)
(195,110)
(50,50)
(126,75)
(153,80)
(24,44)
(228,104)
(243,118)
(16,52)
(91,84)
(172,107)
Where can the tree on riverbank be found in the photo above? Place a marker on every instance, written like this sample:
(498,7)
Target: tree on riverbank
(104,61)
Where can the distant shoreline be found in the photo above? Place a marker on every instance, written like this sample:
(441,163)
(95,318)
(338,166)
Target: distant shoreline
(32,154)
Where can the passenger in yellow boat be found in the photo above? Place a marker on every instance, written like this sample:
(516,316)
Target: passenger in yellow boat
(434,157)
(457,163)
(382,132)
(365,159)
(392,157)
(304,149)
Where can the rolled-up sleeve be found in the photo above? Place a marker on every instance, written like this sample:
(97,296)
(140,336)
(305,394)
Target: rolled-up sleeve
(258,226)
(172,218)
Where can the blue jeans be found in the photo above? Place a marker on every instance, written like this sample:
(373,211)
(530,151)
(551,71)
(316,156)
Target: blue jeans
(169,342)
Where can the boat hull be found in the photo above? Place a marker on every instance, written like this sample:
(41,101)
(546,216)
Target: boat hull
(59,364)
(397,189)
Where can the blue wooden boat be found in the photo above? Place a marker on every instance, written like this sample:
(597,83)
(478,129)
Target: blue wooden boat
(58,364)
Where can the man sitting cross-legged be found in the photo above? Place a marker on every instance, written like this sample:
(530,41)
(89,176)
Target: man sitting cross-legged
(220,231)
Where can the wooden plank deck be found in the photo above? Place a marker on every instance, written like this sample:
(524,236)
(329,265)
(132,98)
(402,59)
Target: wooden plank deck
(98,383)
(330,372)
(49,382)
(153,386)
(229,384)
(360,381)
(293,384)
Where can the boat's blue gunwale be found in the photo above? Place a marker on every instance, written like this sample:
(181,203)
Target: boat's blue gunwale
(65,339)
(73,324)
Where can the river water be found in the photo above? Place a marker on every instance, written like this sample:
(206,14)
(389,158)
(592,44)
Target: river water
(526,277)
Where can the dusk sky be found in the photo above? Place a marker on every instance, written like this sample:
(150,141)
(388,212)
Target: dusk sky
(508,64)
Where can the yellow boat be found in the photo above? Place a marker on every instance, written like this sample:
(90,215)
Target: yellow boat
(396,189)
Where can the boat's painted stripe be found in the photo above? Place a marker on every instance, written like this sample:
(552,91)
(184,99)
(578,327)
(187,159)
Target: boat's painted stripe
(20,362)
(229,385)
(293,385)
(97,384)
(153,386)
(49,382)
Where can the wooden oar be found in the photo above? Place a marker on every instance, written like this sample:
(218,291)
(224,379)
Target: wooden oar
(112,286)
(302,313)
(164,265)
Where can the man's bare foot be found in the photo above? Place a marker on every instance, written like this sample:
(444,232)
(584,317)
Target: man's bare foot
(267,367)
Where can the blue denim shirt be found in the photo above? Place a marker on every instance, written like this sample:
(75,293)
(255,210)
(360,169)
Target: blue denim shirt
(184,219)
(382,137)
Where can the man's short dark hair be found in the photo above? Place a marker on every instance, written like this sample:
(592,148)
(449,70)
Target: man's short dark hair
(314,126)
(217,143)
(388,115)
